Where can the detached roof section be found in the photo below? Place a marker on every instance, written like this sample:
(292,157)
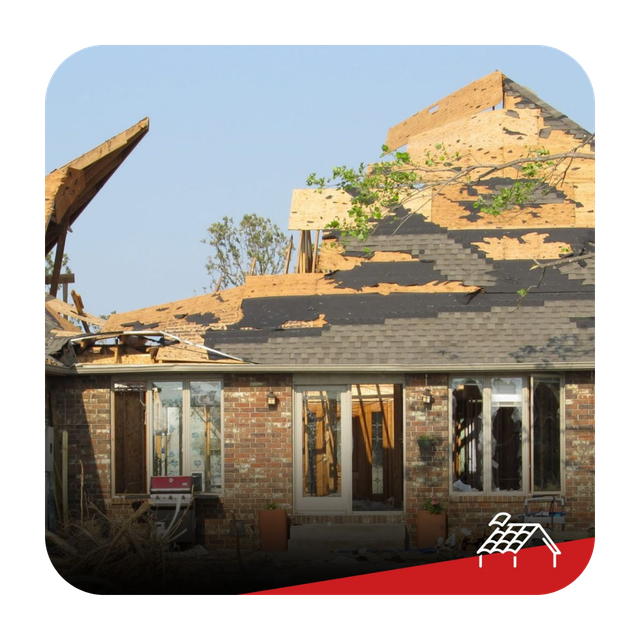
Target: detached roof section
(438,288)
(69,189)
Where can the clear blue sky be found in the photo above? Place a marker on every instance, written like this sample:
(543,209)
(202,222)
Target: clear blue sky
(233,129)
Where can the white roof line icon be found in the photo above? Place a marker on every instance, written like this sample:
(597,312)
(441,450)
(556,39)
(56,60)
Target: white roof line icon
(514,537)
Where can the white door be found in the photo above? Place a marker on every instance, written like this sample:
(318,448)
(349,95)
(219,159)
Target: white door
(323,443)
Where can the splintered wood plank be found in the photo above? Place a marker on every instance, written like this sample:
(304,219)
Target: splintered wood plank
(530,246)
(95,167)
(62,308)
(118,141)
(474,98)
(313,210)
(61,189)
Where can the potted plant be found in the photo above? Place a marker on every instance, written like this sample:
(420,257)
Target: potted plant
(432,523)
(426,443)
(273,527)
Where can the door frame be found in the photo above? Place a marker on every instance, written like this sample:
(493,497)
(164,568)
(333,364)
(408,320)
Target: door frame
(343,504)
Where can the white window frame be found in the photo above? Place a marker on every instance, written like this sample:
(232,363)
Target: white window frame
(186,395)
(526,434)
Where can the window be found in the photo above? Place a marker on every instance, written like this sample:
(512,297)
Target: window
(167,428)
(506,434)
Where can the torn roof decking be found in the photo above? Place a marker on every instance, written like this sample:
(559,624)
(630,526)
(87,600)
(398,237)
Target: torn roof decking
(69,189)
(346,318)
(438,288)
(492,121)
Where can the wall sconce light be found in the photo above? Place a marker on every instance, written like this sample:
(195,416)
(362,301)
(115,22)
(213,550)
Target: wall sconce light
(272,400)
(427,398)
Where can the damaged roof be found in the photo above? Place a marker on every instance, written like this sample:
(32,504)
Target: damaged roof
(437,285)
(409,312)
(69,189)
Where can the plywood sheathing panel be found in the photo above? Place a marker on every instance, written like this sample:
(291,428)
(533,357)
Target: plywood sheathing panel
(305,324)
(332,258)
(64,309)
(530,246)
(519,98)
(474,98)
(216,310)
(61,189)
(489,137)
(453,209)
(96,166)
(312,209)
(584,195)
(312,284)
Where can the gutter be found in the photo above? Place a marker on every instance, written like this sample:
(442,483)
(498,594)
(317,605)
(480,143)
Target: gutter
(132,369)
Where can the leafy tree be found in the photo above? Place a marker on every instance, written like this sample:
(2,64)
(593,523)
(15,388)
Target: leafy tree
(235,247)
(49,264)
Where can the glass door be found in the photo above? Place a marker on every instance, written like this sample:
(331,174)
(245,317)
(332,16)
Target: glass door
(322,448)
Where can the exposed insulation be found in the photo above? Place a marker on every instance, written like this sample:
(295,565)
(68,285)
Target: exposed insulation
(474,98)
(530,246)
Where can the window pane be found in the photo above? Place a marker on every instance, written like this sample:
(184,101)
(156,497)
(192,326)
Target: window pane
(467,434)
(166,425)
(546,435)
(205,437)
(506,434)
(321,412)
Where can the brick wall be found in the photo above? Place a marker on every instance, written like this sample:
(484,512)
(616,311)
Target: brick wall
(580,448)
(429,477)
(426,477)
(81,407)
(258,449)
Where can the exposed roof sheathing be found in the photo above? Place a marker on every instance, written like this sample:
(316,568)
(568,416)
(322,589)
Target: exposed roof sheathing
(436,289)
(69,189)
(479,95)
(497,136)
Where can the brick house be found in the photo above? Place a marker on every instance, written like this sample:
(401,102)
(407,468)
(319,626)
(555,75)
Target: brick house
(310,389)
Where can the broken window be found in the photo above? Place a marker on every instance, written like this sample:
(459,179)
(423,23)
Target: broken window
(467,433)
(520,450)
(546,434)
(167,428)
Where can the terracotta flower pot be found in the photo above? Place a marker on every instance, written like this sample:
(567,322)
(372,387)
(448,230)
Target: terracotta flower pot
(273,529)
(431,526)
